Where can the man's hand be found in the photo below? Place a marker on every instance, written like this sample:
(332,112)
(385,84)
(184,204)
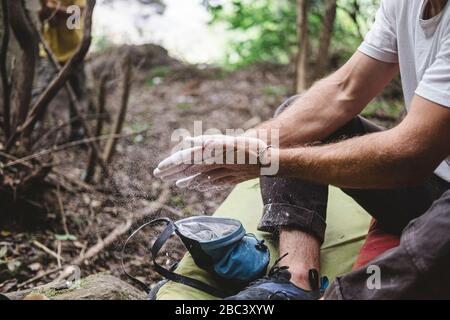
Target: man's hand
(215,161)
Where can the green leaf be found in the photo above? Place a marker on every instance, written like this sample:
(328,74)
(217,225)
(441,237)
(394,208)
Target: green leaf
(65,237)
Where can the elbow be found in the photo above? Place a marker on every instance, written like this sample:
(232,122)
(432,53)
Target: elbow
(403,160)
(404,175)
(349,93)
(419,171)
(414,179)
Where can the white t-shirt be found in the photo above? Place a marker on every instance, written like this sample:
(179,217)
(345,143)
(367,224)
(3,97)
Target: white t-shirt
(421,47)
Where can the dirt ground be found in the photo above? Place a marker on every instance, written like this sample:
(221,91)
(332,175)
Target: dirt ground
(166,95)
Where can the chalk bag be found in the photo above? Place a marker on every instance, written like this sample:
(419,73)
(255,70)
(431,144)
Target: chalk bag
(217,245)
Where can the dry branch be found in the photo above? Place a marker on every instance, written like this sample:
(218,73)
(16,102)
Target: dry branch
(75,109)
(39,108)
(38,277)
(101,100)
(11,157)
(120,119)
(66,146)
(37,175)
(47,250)
(55,129)
(81,185)
(54,178)
(74,104)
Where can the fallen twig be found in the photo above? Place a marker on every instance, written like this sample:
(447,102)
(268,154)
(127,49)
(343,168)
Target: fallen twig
(38,277)
(47,250)
(11,157)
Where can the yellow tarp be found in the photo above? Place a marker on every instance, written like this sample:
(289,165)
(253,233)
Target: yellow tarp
(61,39)
(347,223)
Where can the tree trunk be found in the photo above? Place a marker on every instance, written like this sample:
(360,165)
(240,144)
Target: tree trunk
(23,32)
(325,38)
(3,76)
(303,45)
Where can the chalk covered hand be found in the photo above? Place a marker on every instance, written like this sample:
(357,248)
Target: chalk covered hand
(214,161)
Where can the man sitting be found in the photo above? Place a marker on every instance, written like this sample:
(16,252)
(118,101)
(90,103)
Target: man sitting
(400,176)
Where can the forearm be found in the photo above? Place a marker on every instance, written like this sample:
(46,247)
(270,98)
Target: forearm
(315,115)
(379,160)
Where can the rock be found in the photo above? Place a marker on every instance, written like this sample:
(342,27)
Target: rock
(95,287)
(36,296)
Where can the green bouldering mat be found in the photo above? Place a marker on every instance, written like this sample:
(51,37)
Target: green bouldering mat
(347,228)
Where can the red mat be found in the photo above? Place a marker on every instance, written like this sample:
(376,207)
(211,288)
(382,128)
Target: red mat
(377,243)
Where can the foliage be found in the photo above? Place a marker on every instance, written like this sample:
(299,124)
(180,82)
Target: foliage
(258,26)
(265,30)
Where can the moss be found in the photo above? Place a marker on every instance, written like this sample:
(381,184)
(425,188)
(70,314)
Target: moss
(177,201)
(51,293)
